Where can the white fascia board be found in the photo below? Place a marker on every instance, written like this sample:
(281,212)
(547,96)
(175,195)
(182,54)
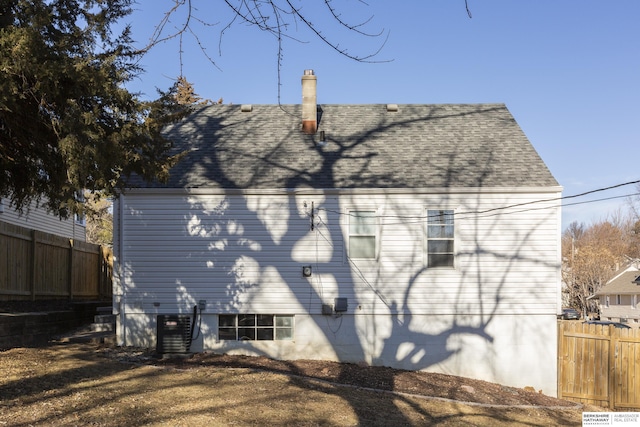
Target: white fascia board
(390,191)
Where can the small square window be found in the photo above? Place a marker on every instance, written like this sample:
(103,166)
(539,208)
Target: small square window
(245,334)
(246,319)
(265,319)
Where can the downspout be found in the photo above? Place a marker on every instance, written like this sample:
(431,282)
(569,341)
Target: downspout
(122,339)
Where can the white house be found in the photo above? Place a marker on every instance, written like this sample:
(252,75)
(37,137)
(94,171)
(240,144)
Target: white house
(38,218)
(423,237)
(619,298)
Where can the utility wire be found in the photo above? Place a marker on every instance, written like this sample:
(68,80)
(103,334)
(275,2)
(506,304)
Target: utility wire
(488,212)
(355,266)
(484,213)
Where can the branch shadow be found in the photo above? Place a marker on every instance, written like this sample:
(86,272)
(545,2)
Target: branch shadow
(252,243)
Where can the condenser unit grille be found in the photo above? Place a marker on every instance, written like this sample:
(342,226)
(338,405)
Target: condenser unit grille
(174,334)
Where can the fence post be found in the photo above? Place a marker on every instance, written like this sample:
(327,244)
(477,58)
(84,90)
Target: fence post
(612,367)
(32,284)
(559,359)
(71,268)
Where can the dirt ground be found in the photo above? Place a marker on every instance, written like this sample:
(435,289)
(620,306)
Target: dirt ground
(90,385)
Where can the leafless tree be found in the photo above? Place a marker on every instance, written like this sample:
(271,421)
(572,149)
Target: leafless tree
(99,219)
(591,255)
(281,19)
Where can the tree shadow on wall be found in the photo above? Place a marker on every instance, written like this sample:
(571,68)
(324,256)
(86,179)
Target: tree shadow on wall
(253,245)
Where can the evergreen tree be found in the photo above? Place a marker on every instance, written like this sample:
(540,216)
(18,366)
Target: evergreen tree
(67,122)
(185,94)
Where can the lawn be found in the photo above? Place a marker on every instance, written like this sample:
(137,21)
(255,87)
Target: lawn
(88,385)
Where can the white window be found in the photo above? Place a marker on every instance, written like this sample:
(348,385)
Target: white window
(79,217)
(252,327)
(606,301)
(362,234)
(440,238)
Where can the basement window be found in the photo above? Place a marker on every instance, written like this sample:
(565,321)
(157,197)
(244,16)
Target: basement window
(255,327)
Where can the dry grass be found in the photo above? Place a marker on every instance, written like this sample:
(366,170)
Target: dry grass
(77,384)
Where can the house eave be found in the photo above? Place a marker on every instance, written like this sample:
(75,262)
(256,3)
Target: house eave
(345,191)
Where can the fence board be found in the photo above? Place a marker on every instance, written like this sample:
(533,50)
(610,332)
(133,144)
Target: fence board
(39,265)
(14,259)
(599,365)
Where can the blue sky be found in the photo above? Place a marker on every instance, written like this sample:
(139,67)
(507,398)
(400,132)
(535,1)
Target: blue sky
(569,71)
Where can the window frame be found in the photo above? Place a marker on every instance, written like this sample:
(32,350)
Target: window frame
(453,239)
(256,327)
(618,299)
(80,218)
(351,213)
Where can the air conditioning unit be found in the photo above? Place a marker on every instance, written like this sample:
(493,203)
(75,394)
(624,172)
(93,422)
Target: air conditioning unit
(173,334)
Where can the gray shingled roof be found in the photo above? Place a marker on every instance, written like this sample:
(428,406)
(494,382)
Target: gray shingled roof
(419,146)
(623,284)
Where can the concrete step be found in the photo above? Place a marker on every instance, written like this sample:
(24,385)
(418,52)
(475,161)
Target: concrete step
(104,310)
(90,337)
(104,318)
(103,327)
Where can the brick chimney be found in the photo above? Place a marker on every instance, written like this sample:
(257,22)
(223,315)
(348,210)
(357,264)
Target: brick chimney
(309,103)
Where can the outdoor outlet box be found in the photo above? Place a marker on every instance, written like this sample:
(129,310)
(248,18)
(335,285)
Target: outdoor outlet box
(340,305)
(327,309)
(306,271)
(202,304)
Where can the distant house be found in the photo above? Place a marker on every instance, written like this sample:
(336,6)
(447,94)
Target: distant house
(619,298)
(423,237)
(38,218)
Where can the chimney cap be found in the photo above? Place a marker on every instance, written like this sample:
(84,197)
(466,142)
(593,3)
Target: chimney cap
(308,72)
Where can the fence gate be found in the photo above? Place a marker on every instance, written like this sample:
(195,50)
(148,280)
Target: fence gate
(599,365)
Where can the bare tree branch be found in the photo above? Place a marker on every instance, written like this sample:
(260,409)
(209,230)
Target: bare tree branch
(274,17)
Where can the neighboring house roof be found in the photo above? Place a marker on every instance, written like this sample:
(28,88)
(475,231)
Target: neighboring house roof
(625,283)
(365,146)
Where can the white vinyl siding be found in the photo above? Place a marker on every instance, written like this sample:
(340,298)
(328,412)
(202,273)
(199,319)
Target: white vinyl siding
(37,218)
(245,254)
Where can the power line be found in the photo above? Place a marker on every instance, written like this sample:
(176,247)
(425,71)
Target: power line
(556,198)
(419,218)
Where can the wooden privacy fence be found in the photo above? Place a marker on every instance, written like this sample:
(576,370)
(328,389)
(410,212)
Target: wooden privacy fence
(599,365)
(39,265)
